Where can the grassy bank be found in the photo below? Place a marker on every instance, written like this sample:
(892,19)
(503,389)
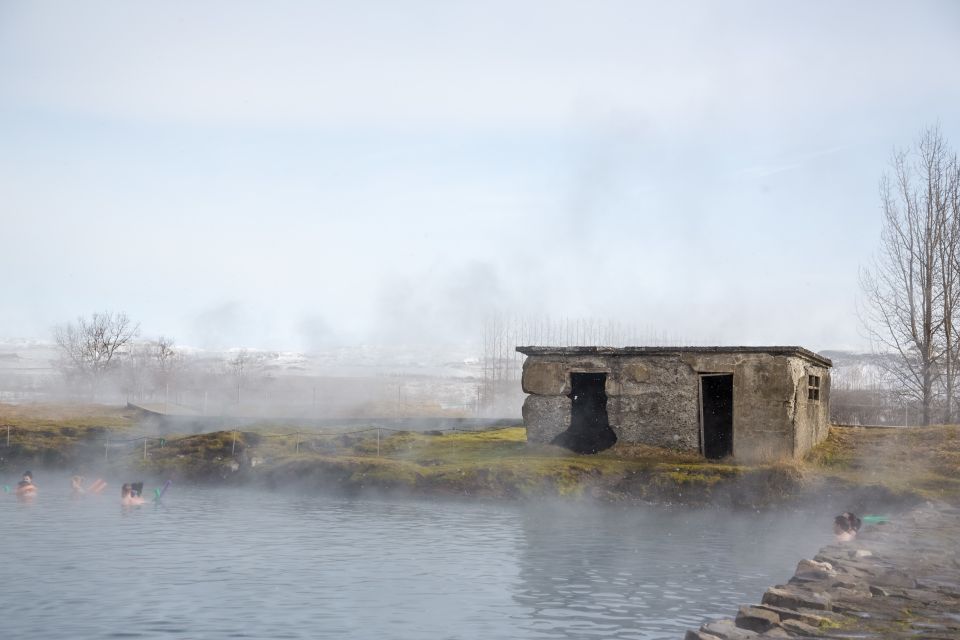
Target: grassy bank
(58,435)
(924,461)
(883,464)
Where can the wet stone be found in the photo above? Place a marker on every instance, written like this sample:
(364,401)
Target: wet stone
(776,632)
(800,628)
(806,616)
(923,597)
(727,629)
(756,619)
(895,578)
(794,599)
(814,570)
(884,592)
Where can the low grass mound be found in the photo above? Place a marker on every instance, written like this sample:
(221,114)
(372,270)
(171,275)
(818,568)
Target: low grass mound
(46,435)
(495,463)
(921,460)
(916,462)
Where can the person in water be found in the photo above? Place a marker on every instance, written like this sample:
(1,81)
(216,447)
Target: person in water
(76,486)
(845,526)
(26,488)
(129,496)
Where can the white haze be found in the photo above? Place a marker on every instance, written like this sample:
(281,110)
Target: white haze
(300,175)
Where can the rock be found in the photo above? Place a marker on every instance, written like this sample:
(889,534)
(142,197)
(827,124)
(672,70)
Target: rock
(894,578)
(756,619)
(906,585)
(807,617)
(921,596)
(883,592)
(813,570)
(854,606)
(795,599)
(727,629)
(800,628)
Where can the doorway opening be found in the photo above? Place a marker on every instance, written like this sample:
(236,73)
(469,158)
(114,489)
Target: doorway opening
(589,430)
(716,414)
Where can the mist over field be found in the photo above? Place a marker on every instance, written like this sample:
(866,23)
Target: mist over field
(706,173)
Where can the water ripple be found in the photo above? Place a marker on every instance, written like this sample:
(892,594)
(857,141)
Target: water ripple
(220,563)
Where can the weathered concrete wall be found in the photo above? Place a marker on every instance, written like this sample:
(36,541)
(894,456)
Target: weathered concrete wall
(762,385)
(654,399)
(546,411)
(650,400)
(811,419)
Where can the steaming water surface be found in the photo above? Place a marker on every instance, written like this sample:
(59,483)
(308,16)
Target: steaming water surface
(218,563)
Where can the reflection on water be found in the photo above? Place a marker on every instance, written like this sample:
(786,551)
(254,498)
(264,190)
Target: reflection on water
(220,563)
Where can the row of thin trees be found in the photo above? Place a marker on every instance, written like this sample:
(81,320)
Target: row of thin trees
(502,365)
(911,293)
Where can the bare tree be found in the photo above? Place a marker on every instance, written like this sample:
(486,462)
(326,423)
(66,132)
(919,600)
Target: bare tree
(953,322)
(910,291)
(248,367)
(166,354)
(90,346)
(137,367)
(167,360)
(942,171)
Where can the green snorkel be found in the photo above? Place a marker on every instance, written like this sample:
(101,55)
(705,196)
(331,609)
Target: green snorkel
(875,519)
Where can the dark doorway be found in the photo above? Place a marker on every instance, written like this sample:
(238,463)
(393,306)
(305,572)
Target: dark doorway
(716,415)
(589,430)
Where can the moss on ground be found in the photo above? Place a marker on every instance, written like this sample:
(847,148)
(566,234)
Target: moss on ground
(46,435)
(495,463)
(918,462)
(924,461)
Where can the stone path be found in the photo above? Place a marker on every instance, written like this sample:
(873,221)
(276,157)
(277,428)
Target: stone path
(896,580)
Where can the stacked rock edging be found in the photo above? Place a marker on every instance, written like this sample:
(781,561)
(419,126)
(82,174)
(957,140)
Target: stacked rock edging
(895,580)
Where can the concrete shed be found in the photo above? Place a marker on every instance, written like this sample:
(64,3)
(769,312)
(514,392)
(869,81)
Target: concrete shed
(755,404)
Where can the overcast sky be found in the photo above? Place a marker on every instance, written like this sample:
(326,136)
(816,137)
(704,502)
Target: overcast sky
(303,174)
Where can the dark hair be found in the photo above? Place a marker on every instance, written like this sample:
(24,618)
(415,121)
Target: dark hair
(841,522)
(855,522)
(847,521)
(27,474)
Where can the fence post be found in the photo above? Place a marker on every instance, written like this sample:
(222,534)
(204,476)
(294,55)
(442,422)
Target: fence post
(106,450)
(298,442)
(144,448)
(378,442)
(8,436)
(233,447)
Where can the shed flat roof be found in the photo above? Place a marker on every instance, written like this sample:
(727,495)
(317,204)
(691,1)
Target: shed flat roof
(648,351)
